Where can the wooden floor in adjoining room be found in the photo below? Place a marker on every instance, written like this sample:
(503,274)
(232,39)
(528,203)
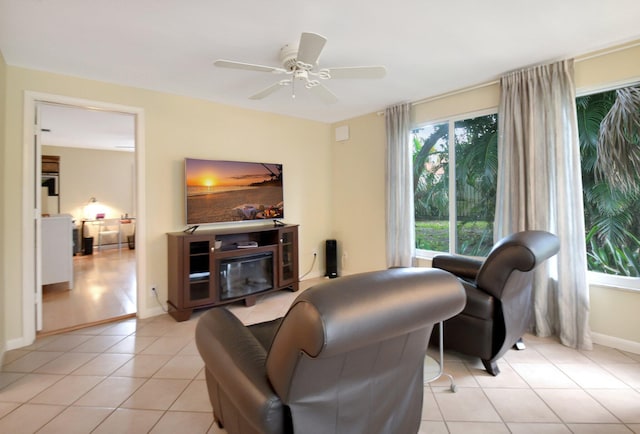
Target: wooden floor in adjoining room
(104,288)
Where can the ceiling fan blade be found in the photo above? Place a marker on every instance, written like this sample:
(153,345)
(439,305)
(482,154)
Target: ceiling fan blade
(246,66)
(310,47)
(324,94)
(268,91)
(358,72)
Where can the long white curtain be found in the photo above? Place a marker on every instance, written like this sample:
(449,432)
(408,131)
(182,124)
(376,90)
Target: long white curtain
(399,191)
(540,187)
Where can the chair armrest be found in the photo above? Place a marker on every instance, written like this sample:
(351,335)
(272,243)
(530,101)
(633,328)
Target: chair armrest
(236,359)
(461,266)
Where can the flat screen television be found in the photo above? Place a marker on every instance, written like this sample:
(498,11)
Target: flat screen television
(218,191)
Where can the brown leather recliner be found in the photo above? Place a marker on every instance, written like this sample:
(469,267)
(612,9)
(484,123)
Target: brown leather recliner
(347,357)
(499,304)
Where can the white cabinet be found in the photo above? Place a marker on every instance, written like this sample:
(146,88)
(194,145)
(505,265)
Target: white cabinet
(57,249)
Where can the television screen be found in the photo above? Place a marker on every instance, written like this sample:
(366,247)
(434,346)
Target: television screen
(229,191)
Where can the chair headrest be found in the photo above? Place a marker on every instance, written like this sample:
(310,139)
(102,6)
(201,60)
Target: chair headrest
(354,311)
(521,251)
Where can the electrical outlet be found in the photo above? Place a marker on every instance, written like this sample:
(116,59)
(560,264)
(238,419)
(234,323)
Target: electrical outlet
(315,253)
(153,290)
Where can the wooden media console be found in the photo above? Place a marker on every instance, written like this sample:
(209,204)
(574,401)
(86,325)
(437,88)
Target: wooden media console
(246,262)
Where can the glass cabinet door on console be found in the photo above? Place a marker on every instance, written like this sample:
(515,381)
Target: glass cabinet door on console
(199,279)
(288,274)
(190,280)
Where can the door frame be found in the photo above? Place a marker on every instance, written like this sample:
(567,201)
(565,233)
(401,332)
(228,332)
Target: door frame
(30,214)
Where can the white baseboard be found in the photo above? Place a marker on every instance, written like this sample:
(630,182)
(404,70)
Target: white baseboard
(310,276)
(16,343)
(148,313)
(614,342)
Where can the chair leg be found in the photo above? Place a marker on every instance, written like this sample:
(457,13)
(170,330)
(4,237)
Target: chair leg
(491,367)
(519,345)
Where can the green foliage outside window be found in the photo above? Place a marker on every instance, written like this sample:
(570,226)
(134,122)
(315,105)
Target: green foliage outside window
(609,131)
(609,135)
(475,185)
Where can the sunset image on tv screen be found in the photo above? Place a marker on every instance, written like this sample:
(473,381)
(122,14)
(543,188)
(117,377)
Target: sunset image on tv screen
(227,191)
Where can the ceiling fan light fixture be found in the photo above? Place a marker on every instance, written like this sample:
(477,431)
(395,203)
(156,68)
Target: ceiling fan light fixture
(304,66)
(288,55)
(311,83)
(324,74)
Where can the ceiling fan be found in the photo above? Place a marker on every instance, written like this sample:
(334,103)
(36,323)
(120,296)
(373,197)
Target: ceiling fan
(300,64)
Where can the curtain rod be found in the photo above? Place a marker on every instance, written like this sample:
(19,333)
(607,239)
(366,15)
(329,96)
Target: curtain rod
(578,59)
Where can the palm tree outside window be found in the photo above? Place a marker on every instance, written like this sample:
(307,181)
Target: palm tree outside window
(609,131)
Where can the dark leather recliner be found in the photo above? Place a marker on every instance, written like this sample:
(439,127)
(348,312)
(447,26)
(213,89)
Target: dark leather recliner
(347,357)
(499,295)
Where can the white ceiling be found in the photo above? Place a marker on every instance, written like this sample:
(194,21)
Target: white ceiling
(76,127)
(429,47)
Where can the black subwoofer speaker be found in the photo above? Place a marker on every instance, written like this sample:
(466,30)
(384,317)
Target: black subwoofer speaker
(331,259)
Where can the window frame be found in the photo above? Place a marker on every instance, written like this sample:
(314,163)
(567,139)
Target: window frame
(595,277)
(450,120)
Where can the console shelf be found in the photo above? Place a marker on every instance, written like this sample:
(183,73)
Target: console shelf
(248,261)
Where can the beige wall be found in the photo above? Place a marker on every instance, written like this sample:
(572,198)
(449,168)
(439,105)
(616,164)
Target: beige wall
(3,183)
(614,314)
(176,127)
(106,175)
(359,193)
(602,71)
(358,198)
(474,100)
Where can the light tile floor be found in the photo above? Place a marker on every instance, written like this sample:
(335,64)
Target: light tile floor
(138,376)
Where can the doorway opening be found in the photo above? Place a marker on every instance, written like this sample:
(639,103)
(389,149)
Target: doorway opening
(88,177)
(33,215)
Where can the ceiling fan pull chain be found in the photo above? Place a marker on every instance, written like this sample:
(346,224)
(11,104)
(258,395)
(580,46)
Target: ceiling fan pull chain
(293,84)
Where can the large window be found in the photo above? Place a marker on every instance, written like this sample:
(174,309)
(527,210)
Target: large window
(609,129)
(462,165)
